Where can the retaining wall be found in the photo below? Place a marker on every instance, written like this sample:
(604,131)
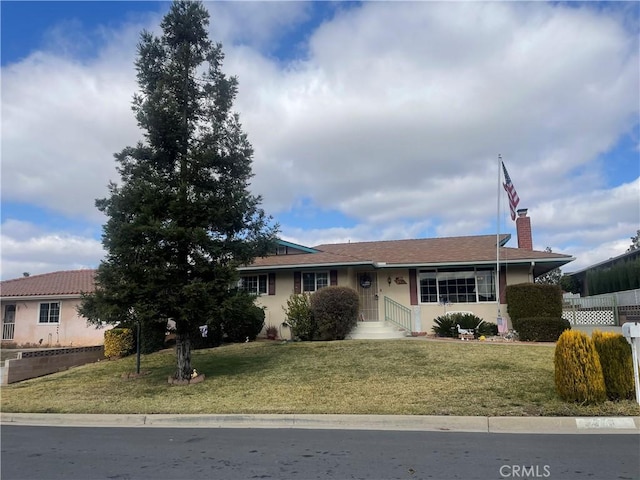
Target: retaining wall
(36,363)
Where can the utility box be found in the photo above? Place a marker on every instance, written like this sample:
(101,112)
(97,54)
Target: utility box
(630,331)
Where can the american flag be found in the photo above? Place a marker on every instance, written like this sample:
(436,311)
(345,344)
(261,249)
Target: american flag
(514,200)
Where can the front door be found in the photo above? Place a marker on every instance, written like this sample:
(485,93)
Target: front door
(367,288)
(8,322)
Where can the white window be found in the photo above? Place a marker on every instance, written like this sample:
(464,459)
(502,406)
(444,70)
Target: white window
(256,284)
(49,312)
(312,281)
(457,286)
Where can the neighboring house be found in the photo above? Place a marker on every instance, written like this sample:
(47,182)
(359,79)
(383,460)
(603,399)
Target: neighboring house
(41,310)
(616,274)
(415,279)
(406,282)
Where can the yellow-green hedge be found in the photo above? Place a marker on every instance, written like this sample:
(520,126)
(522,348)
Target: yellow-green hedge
(118,342)
(617,364)
(578,373)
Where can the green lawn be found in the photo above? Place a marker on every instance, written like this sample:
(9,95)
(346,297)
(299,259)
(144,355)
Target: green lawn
(357,376)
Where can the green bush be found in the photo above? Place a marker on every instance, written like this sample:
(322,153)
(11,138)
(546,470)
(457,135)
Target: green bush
(300,318)
(445,325)
(528,300)
(241,318)
(617,364)
(578,373)
(335,309)
(118,342)
(540,329)
(152,336)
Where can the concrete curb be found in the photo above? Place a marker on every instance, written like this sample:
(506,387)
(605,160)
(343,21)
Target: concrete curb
(546,425)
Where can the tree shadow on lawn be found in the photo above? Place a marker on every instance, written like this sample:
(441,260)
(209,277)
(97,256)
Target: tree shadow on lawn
(231,360)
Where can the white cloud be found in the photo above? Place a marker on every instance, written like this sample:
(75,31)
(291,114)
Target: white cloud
(27,248)
(389,102)
(62,123)
(358,233)
(393,115)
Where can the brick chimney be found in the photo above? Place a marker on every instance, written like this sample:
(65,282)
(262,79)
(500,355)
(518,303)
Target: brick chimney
(523,228)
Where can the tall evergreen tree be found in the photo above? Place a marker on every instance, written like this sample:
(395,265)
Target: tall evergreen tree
(182,219)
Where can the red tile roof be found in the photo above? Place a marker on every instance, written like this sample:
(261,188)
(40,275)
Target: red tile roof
(448,250)
(71,282)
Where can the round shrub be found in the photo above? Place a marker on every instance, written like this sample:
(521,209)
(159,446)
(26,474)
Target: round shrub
(578,373)
(241,318)
(118,342)
(300,318)
(617,364)
(540,329)
(335,311)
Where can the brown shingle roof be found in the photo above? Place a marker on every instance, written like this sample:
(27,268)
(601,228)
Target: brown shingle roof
(469,249)
(72,282)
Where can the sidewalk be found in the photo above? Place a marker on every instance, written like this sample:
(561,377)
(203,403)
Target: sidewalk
(547,425)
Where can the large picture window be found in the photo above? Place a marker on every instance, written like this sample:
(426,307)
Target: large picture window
(256,284)
(312,281)
(49,312)
(457,286)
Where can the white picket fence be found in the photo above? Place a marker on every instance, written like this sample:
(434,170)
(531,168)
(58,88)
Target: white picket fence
(599,309)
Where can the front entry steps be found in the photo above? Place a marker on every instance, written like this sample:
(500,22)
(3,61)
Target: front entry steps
(376,330)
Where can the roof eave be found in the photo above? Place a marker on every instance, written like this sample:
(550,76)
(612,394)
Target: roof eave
(297,246)
(523,261)
(66,296)
(304,265)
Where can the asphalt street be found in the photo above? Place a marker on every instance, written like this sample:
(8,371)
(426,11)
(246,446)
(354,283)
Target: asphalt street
(45,452)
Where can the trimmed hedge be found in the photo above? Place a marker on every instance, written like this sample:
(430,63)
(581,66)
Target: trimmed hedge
(335,309)
(118,342)
(624,275)
(578,373)
(528,300)
(617,364)
(540,329)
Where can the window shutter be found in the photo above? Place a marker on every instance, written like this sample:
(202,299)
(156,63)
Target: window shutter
(413,286)
(297,280)
(333,277)
(272,284)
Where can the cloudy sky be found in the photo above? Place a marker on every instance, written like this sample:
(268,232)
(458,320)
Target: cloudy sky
(373,120)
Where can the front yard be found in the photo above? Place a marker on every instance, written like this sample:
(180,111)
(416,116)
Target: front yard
(356,377)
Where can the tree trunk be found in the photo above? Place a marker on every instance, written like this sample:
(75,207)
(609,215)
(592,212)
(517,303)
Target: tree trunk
(183,354)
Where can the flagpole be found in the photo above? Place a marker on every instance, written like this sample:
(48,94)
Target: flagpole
(498,240)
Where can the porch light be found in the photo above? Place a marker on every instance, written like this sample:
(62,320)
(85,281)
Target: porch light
(389,280)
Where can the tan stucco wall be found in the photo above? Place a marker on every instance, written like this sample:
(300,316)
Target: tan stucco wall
(273,304)
(72,330)
(397,291)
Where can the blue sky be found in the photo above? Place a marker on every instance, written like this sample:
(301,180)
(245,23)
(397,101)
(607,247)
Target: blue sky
(369,120)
